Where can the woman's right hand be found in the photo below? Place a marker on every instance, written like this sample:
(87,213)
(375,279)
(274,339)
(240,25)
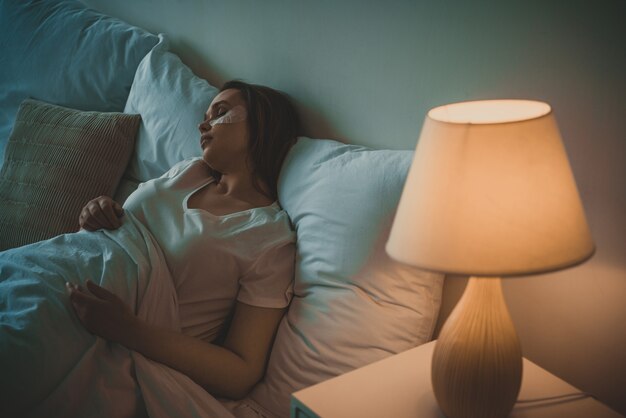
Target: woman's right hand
(101,212)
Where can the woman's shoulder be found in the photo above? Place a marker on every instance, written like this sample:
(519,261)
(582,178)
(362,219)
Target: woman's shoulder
(181,166)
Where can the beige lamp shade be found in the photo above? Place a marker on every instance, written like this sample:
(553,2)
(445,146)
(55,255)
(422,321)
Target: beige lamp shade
(490,193)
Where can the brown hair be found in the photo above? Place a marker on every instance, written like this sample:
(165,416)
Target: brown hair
(273,125)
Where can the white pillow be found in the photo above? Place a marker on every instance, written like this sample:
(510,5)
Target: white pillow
(64,53)
(172,101)
(352,304)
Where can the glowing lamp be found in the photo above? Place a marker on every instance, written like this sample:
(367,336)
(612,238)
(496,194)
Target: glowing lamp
(490,194)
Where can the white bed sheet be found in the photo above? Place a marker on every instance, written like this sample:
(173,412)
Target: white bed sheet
(53,367)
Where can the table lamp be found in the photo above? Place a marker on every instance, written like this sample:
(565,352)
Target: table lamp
(489,194)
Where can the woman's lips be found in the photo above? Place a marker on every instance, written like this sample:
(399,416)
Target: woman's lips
(204,140)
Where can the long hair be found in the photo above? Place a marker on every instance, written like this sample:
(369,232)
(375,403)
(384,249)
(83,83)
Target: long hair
(273,126)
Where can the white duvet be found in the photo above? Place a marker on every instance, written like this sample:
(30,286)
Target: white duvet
(50,366)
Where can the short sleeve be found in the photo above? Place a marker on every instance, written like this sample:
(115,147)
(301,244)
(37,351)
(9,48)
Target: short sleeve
(268,282)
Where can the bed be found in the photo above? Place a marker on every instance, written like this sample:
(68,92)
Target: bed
(121,85)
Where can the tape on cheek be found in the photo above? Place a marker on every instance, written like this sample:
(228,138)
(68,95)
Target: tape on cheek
(236,114)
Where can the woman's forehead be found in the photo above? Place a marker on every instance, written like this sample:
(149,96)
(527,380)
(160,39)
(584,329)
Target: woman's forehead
(232,96)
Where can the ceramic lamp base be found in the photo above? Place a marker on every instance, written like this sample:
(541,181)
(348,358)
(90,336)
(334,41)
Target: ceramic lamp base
(477,362)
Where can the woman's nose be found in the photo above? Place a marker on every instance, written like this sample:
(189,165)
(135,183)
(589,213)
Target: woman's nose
(204,126)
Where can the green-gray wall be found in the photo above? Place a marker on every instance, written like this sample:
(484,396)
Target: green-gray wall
(366,72)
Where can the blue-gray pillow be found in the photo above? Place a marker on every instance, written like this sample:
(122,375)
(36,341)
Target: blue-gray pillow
(352,303)
(172,101)
(64,53)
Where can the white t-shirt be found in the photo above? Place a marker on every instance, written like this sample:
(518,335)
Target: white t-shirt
(246,256)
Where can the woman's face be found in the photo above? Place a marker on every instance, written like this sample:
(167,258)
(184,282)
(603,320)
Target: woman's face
(224,132)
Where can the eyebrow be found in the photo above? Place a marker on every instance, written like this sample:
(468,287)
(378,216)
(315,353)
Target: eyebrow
(214,106)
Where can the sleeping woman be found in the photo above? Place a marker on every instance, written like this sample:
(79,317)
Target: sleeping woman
(177,294)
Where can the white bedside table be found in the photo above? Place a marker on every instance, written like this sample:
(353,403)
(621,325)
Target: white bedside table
(399,386)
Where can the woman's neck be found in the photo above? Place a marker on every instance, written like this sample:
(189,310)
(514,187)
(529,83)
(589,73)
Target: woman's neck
(241,186)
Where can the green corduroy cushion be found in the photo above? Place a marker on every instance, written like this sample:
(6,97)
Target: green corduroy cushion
(58,159)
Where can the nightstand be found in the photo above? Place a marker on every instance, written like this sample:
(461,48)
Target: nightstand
(399,386)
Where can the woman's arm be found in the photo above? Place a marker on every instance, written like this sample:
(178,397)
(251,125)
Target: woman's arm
(229,371)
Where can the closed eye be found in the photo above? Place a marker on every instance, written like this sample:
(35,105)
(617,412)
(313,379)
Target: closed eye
(220,112)
(217,110)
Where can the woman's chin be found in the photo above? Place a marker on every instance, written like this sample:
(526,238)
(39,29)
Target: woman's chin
(207,157)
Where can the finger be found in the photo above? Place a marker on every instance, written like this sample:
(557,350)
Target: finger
(88,222)
(81,217)
(99,291)
(76,287)
(85,223)
(119,210)
(97,217)
(90,225)
(82,299)
(109,212)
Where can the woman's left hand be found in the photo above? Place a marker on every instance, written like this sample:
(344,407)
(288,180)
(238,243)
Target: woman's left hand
(102,312)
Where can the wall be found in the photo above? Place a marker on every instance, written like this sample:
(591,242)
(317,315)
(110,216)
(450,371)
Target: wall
(366,72)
